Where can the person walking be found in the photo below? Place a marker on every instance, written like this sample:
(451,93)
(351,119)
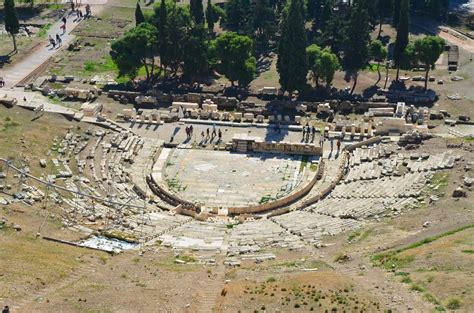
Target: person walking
(207,133)
(338,145)
(63,28)
(219,134)
(214,133)
(304,132)
(59,40)
(332,143)
(191,129)
(6,309)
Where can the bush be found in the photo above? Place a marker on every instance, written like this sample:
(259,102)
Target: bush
(453,304)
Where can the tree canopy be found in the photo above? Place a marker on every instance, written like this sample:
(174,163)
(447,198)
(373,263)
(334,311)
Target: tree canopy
(428,50)
(234,52)
(134,50)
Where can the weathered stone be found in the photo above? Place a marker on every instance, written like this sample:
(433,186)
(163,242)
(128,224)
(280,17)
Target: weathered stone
(459,192)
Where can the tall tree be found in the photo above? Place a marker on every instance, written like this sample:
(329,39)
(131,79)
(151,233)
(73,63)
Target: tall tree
(197,11)
(292,63)
(12,26)
(163,33)
(384,8)
(396,12)
(263,21)
(195,59)
(356,52)
(378,53)
(428,51)
(134,50)
(314,53)
(314,10)
(139,17)
(235,54)
(238,15)
(211,17)
(401,41)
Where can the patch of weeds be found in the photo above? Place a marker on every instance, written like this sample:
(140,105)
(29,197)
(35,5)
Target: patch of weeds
(271,280)
(186,258)
(468,251)
(406,280)
(431,299)
(44,30)
(265,199)
(453,304)
(230,226)
(124,276)
(391,261)
(9,123)
(416,287)
(359,235)
(140,284)
(313,167)
(136,260)
(304,162)
(103,258)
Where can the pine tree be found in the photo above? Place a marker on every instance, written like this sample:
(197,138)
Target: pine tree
(12,26)
(197,11)
(401,41)
(139,17)
(292,62)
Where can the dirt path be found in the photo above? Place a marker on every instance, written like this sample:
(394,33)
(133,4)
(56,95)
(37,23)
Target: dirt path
(16,73)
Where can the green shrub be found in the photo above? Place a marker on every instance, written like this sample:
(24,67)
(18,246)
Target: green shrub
(453,304)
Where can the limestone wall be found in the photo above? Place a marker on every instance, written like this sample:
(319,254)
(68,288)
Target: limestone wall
(286,147)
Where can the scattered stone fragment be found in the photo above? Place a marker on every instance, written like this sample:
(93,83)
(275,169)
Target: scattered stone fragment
(468,181)
(459,192)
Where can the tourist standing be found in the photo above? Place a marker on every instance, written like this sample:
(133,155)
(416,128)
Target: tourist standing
(59,40)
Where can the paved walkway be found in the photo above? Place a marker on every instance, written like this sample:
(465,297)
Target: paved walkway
(14,74)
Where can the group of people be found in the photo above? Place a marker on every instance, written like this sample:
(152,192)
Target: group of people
(57,41)
(189,131)
(79,15)
(308,131)
(208,135)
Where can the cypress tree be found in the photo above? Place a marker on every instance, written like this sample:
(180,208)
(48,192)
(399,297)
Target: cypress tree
(292,61)
(163,34)
(396,12)
(139,17)
(356,52)
(12,26)
(210,16)
(401,41)
(197,11)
